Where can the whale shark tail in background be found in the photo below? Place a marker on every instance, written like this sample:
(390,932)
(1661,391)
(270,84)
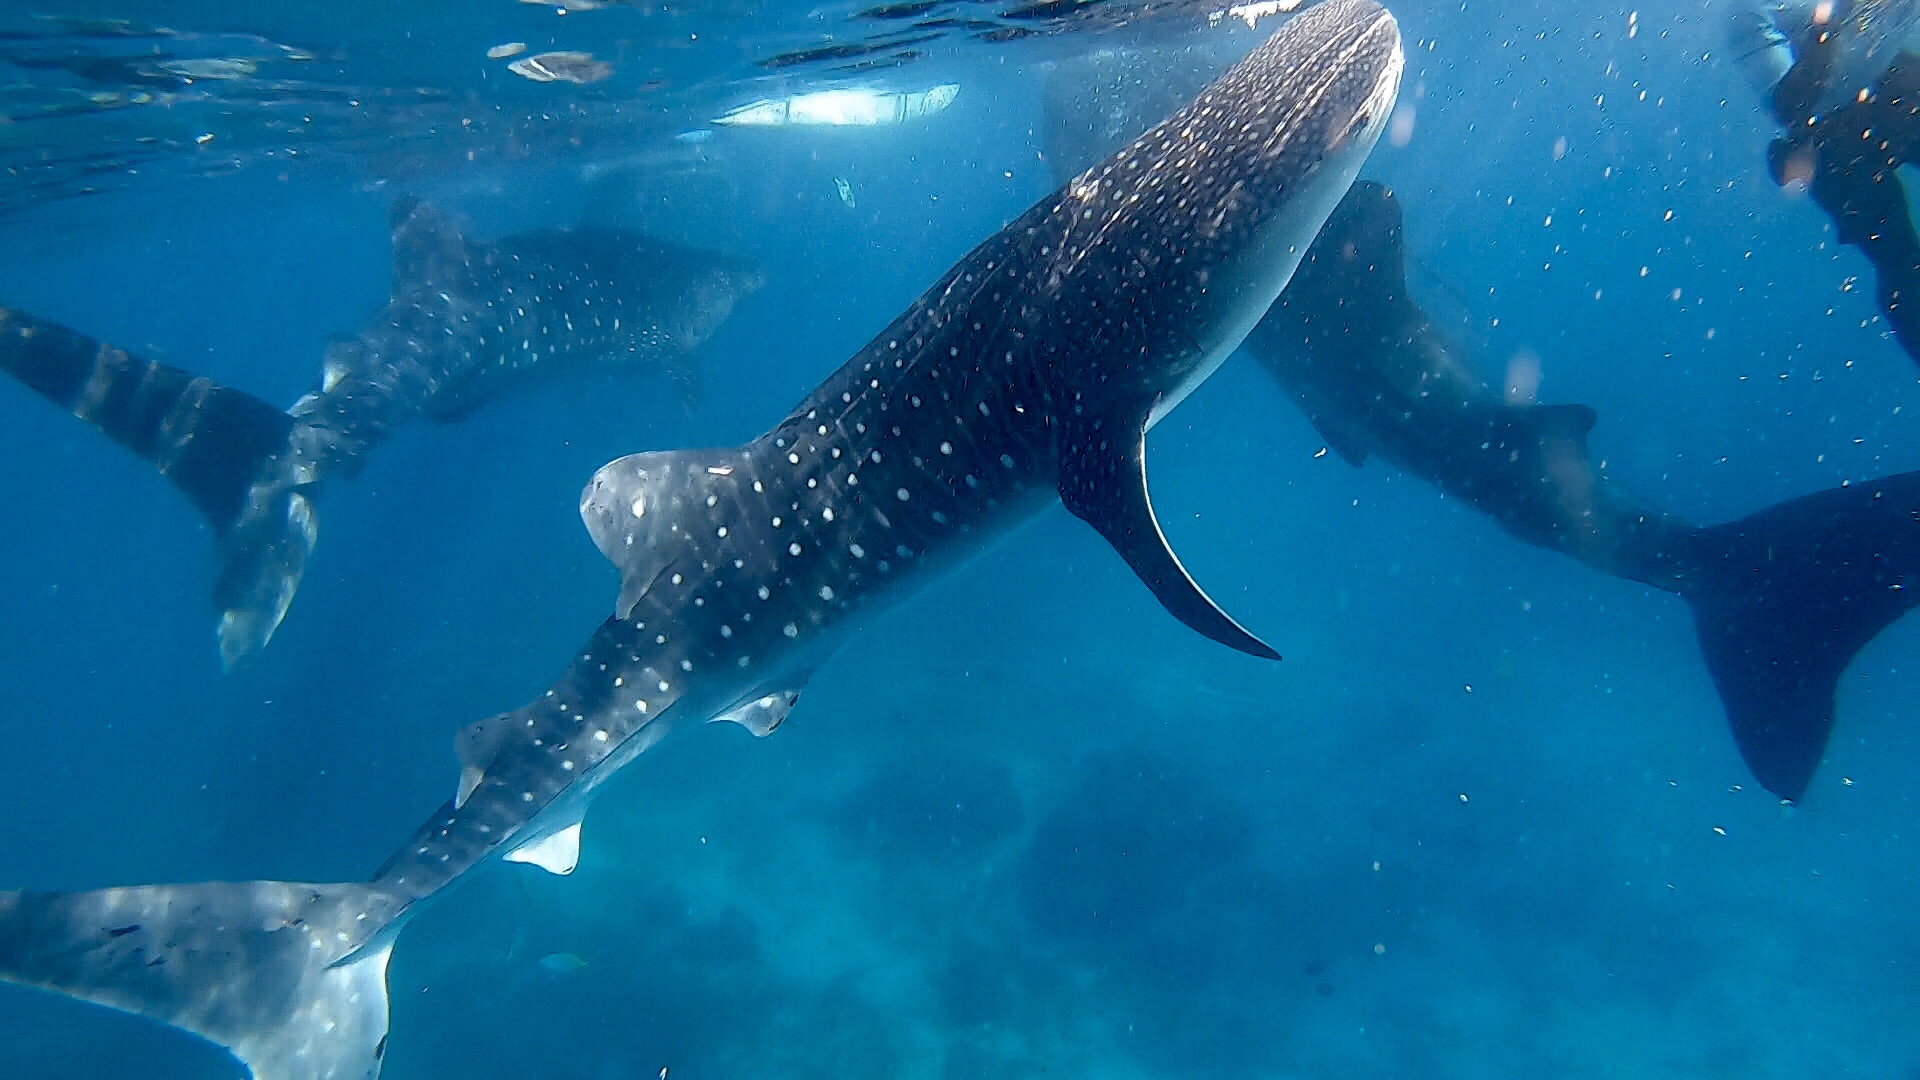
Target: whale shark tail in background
(218,445)
(466,323)
(1785,598)
(292,979)
(1782,599)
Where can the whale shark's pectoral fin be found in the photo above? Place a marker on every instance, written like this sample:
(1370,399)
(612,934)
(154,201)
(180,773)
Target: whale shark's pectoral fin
(635,506)
(1103,480)
(763,714)
(556,852)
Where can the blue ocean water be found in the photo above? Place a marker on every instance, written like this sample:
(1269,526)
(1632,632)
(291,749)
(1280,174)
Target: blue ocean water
(1485,819)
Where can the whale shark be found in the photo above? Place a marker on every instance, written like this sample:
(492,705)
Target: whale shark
(467,322)
(1782,599)
(1029,373)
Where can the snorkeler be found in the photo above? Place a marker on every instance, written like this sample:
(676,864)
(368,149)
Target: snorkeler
(1839,78)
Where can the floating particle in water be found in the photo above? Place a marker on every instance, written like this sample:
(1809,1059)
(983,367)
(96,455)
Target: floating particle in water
(511,48)
(574,67)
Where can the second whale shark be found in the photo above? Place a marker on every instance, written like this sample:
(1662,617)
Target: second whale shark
(1030,372)
(1782,599)
(468,321)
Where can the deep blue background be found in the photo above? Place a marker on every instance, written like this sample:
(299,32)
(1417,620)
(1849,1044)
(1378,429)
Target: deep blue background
(1484,820)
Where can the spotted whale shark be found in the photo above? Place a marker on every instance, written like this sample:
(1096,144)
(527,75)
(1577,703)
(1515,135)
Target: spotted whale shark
(1029,373)
(1782,599)
(467,322)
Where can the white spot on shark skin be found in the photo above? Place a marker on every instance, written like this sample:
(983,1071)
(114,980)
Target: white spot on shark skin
(640,507)
(791,630)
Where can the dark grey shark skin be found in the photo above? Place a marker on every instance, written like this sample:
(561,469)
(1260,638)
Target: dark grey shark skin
(1782,599)
(1374,376)
(1032,368)
(468,322)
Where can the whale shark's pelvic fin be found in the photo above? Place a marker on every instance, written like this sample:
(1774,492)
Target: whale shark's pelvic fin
(763,714)
(1783,601)
(209,440)
(557,852)
(1103,480)
(290,978)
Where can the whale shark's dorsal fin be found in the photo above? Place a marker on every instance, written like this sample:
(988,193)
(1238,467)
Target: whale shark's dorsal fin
(556,852)
(1103,480)
(475,746)
(635,503)
(427,248)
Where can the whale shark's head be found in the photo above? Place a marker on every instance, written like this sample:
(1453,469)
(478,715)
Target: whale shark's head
(1200,222)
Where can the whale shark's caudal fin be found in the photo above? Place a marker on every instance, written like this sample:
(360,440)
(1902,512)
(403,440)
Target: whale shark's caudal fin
(216,444)
(290,978)
(1784,599)
(210,440)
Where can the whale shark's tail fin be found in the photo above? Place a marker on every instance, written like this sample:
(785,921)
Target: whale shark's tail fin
(210,440)
(216,444)
(1784,599)
(290,978)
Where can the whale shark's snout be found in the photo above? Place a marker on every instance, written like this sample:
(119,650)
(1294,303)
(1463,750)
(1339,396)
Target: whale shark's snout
(1216,205)
(1326,86)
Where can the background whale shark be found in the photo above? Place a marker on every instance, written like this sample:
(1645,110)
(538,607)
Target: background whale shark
(467,322)
(1029,372)
(1782,599)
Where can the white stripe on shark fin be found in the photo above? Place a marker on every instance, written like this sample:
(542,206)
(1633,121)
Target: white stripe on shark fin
(762,715)
(556,853)
(634,505)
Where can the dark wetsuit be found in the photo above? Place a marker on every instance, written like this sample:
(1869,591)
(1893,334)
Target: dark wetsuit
(1848,155)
